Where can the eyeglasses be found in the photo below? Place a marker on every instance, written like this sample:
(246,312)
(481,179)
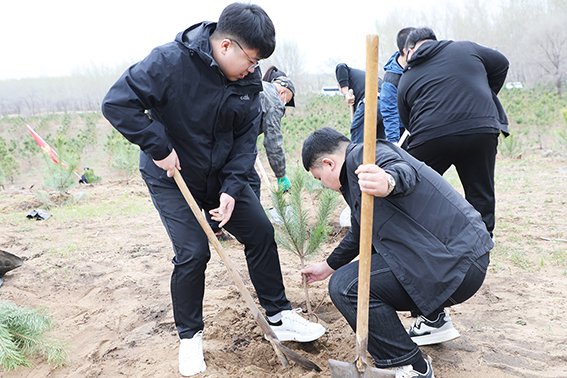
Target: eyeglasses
(255,62)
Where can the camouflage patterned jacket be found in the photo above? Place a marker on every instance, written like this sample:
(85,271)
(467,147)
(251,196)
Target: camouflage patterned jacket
(273,110)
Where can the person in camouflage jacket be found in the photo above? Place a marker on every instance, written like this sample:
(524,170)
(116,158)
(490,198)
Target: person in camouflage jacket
(278,92)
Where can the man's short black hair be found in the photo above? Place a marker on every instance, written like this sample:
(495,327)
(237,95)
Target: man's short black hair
(402,37)
(250,25)
(419,34)
(321,142)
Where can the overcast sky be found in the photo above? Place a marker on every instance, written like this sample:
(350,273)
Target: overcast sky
(60,37)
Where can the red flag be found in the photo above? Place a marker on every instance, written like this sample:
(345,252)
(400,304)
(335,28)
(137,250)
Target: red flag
(44,146)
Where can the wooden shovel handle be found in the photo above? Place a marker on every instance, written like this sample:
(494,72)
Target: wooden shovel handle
(367,206)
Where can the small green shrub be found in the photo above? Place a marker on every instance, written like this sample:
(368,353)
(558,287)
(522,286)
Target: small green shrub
(23,335)
(8,164)
(124,156)
(510,147)
(60,177)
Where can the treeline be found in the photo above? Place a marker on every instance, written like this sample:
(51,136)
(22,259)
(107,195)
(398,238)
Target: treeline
(531,33)
(79,92)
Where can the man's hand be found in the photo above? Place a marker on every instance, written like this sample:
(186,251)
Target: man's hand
(349,97)
(317,272)
(284,184)
(372,180)
(223,213)
(169,163)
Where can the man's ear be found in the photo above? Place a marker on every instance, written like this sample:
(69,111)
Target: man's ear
(223,44)
(328,161)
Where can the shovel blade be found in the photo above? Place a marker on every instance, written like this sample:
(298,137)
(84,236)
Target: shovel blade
(8,262)
(341,369)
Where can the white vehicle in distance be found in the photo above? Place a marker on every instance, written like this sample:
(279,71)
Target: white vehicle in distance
(331,91)
(514,85)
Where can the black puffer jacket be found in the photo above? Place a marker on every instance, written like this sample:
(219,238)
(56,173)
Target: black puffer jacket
(177,97)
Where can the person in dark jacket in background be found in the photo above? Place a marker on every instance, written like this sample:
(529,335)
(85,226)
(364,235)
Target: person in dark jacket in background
(447,100)
(193,105)
(389,92)
(430,248)
(354,80)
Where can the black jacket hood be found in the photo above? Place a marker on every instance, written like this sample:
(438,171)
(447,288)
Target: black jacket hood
(426,51)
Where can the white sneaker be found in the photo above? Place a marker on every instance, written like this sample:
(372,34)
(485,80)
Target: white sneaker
(292,327)
(191,359)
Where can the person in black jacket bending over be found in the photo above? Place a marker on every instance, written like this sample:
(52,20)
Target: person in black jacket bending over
(447,100)
(193,105)
(430,248)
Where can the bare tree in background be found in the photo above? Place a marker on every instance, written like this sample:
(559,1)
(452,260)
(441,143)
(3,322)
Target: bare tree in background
(287,58)
(552,41)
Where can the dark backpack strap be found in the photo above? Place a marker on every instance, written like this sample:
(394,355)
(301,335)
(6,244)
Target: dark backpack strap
(390,77)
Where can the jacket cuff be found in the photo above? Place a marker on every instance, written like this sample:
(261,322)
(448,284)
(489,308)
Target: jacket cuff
(159,153)
(334,263)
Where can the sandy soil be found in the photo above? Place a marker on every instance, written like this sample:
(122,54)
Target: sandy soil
(101,268)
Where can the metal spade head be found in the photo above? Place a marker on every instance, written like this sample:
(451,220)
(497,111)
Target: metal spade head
(8,262)
(341,369)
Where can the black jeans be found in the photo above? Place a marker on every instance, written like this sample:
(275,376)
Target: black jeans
(474,158)
(388,341)
(249,225)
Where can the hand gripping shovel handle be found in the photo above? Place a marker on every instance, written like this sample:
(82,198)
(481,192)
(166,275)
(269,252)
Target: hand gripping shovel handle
(282,351)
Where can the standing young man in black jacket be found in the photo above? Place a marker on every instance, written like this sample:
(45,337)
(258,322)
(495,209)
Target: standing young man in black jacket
(430,247)
(447,100)
(193,105)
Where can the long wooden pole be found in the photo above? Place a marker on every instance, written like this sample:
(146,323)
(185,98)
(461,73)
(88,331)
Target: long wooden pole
(367,207)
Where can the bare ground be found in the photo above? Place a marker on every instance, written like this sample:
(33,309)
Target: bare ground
(101,268)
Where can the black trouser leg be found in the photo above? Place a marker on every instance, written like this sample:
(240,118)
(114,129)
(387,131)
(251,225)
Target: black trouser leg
(250,226)
(474,158)
(192,253)
(476,171)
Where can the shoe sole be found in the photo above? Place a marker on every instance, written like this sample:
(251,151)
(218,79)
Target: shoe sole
(289,336)
(190,373)
(437,337)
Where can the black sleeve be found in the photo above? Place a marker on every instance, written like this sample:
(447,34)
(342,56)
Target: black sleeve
(348,248)
(496,66)
(342,75)
(403,107)
(139,89)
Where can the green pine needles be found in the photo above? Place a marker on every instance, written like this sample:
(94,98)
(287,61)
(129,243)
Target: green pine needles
(297,232)
(23,335)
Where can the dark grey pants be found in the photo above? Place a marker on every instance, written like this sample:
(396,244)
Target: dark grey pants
(249,224)
(388,341)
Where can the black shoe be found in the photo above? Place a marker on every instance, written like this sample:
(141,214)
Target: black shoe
(408,371)
(427,332)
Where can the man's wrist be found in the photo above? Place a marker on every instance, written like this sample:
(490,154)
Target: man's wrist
(391,185)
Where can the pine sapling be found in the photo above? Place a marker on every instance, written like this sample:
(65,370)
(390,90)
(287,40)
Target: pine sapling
(23,335)
(296,233)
